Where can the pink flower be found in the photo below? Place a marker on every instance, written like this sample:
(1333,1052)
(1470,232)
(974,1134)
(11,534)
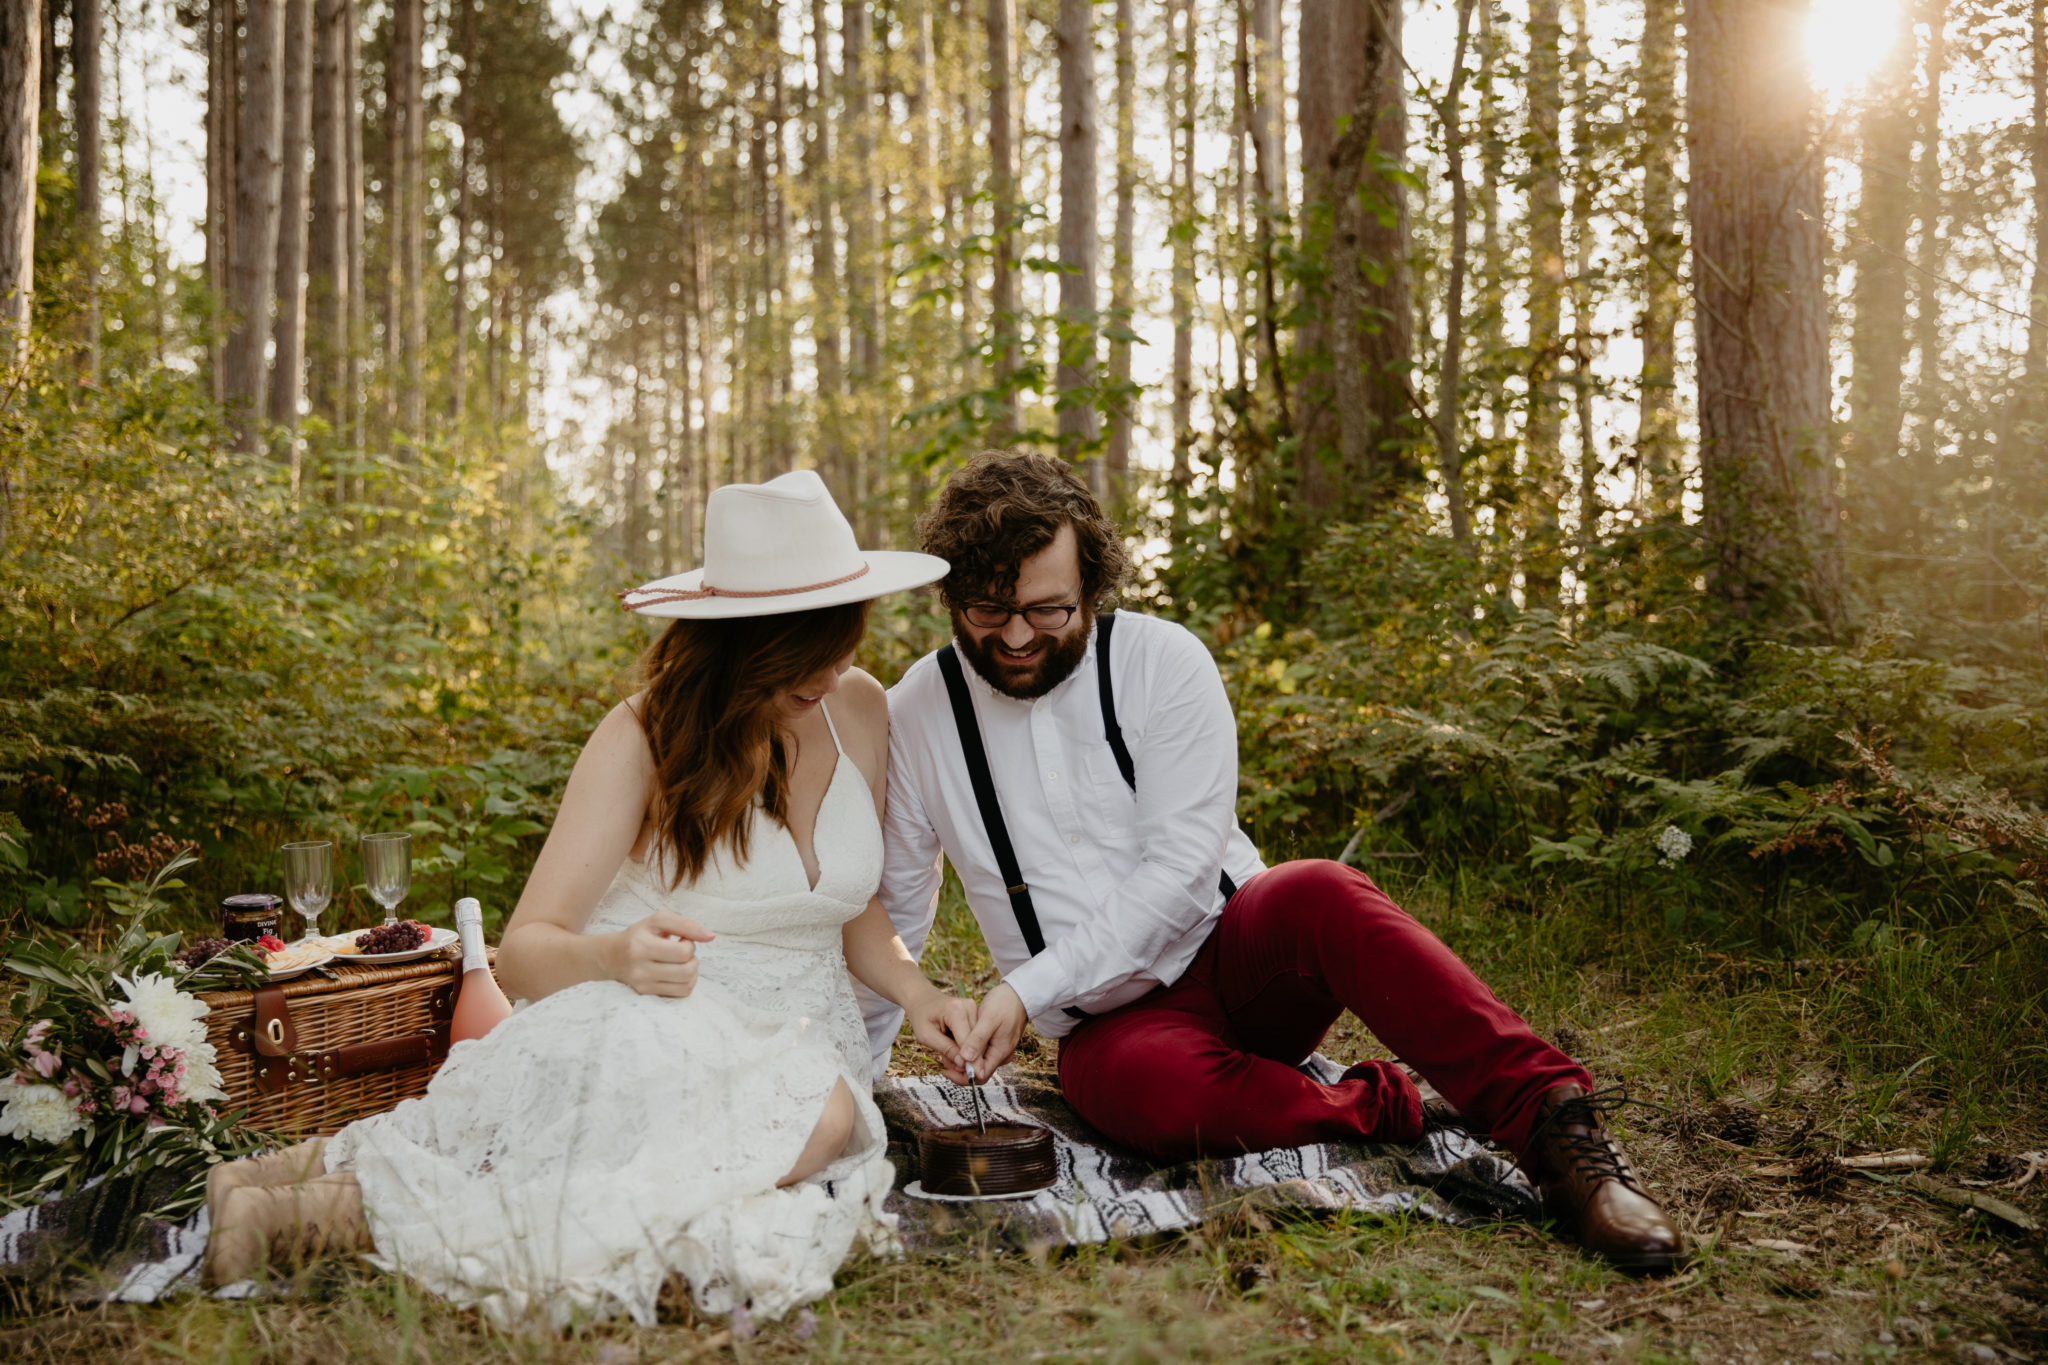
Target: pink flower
(71,1086)
(119,1097)
(45,1063)
(138,1105)
(37,1032)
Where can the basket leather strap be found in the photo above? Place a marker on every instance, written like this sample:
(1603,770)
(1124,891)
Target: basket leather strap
(273,1038)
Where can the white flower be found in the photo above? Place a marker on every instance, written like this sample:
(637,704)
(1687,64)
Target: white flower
(167,1016)
(42,1112)
(1674,843)
(201,1080)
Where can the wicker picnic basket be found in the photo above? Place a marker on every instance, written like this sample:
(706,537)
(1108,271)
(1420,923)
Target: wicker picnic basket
(305,1057)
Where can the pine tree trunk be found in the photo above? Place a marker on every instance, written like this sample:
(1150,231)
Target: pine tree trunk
(1492,159)
(223,105)
(1353,402)
(1269,171)
(1931,247)
(1759,256)
(258,181)
(2034,405)
(826,317)
(21,43)
(1878,235)
(1182,235)
(1663,254)
(1449,448)
(1543,473)
(866,258)
(327,266)
(464,26)
(287,375)
(1080,229)
(410,56)
(1117,458)
(391,204)
(1585,337)
(1004,324)
(356,321)
(85,126)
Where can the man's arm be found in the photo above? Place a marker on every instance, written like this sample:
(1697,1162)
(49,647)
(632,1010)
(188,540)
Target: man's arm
(910,846)
(1186,807)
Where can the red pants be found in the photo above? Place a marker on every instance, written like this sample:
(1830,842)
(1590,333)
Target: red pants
(1207,1065)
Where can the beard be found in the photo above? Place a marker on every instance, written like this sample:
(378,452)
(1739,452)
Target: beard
(1060,657)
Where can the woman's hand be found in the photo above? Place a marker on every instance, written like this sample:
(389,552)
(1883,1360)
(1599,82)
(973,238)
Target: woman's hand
(942,1022)
(658,956)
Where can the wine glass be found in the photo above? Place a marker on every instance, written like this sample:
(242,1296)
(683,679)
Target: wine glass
(387,870)
(309,881)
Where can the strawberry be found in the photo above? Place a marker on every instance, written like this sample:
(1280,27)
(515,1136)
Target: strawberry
(270,943)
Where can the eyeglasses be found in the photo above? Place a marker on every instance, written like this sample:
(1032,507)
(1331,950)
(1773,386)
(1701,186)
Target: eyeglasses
(988,616)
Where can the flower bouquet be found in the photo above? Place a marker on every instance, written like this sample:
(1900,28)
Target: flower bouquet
(105,1070)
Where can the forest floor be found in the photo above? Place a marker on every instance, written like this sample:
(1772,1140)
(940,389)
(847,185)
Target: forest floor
(1789,1269)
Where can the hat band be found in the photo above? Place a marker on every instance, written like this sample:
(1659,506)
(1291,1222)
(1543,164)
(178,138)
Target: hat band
(651,597)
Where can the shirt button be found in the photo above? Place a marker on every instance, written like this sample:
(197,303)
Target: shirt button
(1053,774)
(1073,838)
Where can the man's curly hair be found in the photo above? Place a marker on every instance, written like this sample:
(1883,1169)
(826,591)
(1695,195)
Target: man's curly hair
(1003,507)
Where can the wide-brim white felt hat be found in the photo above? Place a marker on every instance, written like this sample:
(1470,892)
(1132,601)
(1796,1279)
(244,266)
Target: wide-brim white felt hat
(777,547)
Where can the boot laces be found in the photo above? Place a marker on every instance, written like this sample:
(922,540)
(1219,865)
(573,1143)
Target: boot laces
(1591,1155)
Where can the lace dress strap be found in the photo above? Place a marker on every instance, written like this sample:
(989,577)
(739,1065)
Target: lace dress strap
(841,748)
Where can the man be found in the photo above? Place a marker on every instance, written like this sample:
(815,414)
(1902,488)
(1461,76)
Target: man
(1184,979)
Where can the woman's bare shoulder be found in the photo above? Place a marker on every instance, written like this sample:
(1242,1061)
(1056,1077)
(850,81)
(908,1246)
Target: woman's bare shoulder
(620,738)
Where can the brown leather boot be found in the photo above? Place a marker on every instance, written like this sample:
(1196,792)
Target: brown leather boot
(256,1226)
(1588,1185)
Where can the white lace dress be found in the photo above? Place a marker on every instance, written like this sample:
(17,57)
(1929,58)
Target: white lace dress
(600,1140)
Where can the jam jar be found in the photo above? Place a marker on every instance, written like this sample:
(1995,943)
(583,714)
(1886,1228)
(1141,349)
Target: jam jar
(248,917)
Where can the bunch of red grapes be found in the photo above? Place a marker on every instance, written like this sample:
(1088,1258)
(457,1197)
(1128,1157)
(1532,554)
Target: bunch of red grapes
(204,950)
(401,937)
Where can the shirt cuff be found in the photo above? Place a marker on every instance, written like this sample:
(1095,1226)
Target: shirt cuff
(1039,983)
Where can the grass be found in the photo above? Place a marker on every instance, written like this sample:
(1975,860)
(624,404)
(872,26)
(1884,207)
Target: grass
(1927,1038)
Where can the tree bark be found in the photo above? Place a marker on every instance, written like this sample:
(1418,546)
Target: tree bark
(258,180)
(1543,472)
(866,257)
(327,266)
(1449,449)
(356,321)
(464,26)
(85,125)
(1080,227)
(2034,404)
(21,43)
(1004,323)
(1182,234)
(1657,449)
(1585,337)
(1117,456)
(1269,170)
(223,103)
(826,318)
(287,375)
(409,56)
(1931,248)
(1759,244)
(1354,399)
(1877,246)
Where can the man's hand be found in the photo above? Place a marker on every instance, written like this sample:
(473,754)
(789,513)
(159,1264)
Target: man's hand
(996,1030)
(943,1023)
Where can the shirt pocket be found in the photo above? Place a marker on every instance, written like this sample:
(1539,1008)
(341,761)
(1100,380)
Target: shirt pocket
(1110,799)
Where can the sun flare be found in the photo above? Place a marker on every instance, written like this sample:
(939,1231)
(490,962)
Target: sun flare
(1846,39)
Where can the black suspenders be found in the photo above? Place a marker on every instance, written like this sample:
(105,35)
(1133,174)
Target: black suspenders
(984,784)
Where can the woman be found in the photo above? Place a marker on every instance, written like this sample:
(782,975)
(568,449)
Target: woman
(687,1093)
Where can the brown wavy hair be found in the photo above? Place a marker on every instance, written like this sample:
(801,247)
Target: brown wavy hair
(708,712)
(1003,507)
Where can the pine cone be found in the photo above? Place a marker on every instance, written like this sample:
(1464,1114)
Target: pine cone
(1818,1175)
(1736,1123)
(1995,1168)
(1686,1123)
(1721,1192)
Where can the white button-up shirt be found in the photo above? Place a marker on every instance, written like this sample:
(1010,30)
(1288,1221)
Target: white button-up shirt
(1125,885)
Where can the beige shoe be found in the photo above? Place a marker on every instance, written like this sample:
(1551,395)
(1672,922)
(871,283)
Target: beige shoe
(303,1162)
(256,1225)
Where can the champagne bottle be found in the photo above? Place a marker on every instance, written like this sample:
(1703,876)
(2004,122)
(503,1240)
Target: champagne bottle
(479,1003)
